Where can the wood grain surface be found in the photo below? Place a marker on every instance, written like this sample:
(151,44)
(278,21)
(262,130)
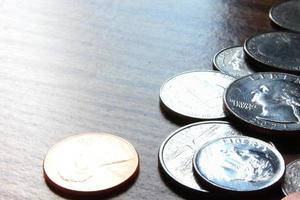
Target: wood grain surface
(70,67)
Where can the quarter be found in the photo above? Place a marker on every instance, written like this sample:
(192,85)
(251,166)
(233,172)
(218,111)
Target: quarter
(267,100)
(286,15)
(275,51)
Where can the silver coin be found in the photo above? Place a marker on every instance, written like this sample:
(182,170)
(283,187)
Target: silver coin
(291,182)
(177,151)
(239,164)
(231,61)
(275,51)
(196,94)
(286,15)
(268,100)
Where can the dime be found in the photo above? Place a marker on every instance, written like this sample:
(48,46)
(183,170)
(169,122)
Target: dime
(231,61)
(275,50)
(293,196)
(291,182)
(90,163)
(196,94)
(177,151)
(239,164)
(286,15)
(268,100)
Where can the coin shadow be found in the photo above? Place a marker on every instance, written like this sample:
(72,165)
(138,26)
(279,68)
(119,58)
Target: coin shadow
(286,142)
(182,191)
(276,27)
(108,194)
(174,117)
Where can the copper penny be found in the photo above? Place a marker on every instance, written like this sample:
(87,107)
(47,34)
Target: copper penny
(90,163)
(293,196)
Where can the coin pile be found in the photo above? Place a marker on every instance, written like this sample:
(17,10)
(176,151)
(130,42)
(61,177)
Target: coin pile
(257,87)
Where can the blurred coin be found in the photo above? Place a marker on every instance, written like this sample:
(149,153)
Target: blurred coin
(267,100)
(239,164)
(286,15)
(293,196)
(291,182)
(231,61)
(196,94)
(275,51)
(90,163)
(177,151)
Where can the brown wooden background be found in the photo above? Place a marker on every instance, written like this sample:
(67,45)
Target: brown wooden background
(69,67)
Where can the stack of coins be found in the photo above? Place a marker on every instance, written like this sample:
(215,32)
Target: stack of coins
(257,88)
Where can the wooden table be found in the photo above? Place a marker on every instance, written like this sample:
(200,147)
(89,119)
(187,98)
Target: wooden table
(70,67)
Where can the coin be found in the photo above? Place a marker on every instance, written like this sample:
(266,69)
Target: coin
(90,163)
(293,196)
(286,15)
(177,151)
(291,181)
(267,100)
(231,61)
(275,51)
(196,94)
(239,164)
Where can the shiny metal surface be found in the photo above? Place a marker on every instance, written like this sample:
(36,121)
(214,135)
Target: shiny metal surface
(291,182)
(286,15)
(90,163)
(196,94)
(275,50)
(177,151)
(231,61)
(70,67)
(266,100)
(239,164)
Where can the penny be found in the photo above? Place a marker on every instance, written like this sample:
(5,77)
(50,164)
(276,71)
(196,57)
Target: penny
(275,51)
(293,196)
(177,151)
(239,164)
(196,94)
(286,15)
(291,181)
(231,61)
(267,100)
(90,163)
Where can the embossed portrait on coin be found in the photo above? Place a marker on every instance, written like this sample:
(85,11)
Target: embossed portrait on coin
(236,61)
(245,165)
(280,102)
(77,167)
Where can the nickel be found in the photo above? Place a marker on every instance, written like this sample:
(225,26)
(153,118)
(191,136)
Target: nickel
(196,94)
